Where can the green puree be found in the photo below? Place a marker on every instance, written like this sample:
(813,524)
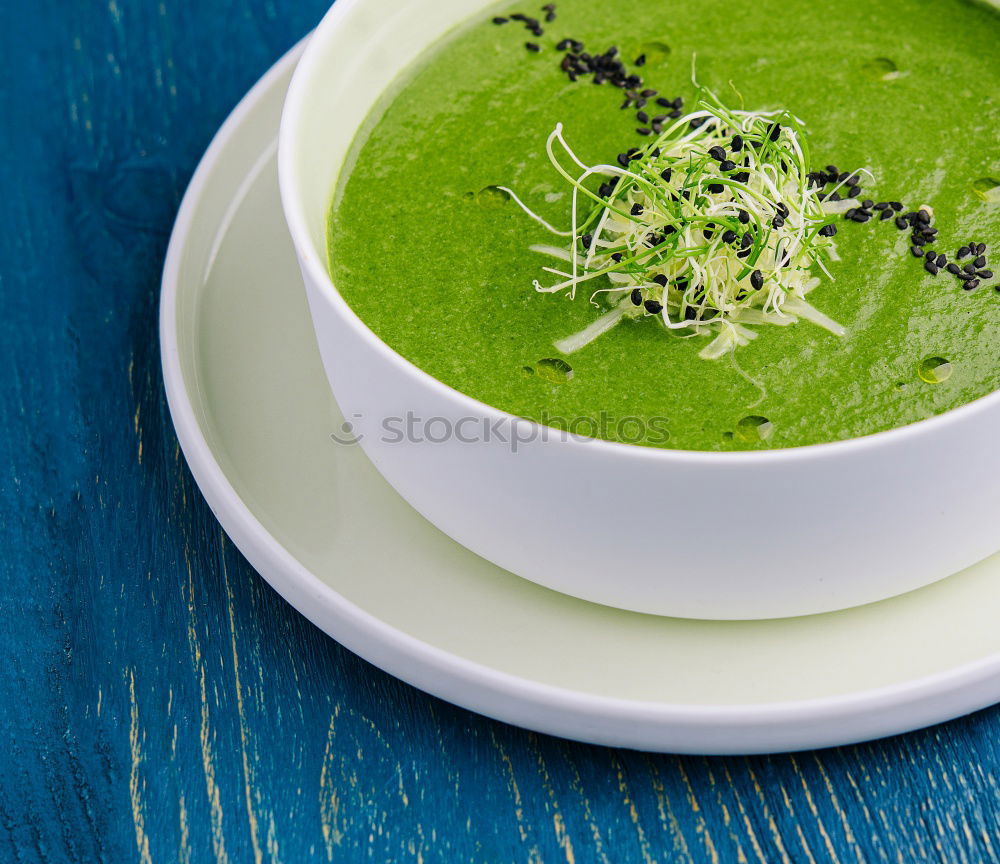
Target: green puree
(441,270)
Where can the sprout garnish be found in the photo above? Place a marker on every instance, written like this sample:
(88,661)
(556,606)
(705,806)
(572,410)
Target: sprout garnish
(711,226)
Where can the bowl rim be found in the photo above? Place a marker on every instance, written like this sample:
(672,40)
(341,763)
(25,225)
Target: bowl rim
(315,268)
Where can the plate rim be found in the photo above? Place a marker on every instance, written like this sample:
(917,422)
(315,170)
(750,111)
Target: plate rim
(737,728)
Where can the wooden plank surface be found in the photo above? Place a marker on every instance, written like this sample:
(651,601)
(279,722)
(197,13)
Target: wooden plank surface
(158,701)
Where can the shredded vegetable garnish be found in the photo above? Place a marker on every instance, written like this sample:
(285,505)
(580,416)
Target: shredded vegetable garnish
(714,226)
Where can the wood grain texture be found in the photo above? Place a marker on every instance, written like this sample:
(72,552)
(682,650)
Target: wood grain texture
(158,701)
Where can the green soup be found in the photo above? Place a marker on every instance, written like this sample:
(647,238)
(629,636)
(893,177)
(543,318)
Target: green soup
(438,264)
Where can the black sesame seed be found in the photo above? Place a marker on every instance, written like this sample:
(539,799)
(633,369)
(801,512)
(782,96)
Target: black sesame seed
(930,255)
(916,252)
(652,307)
(885,214)
(673,115)
(853,191)
(964,252)
(517,16)
(969,268)
(660,280)
(531,46)
(642,130)
(954,269)
(640,60)
(622,160)
(550,16)
(901,223)
(663,102)
(981,248)
(636,297)
(775,133)
(757,280)
(640,103)
(832,169)
(828,230)
(985,274)
(636,210)
(918,240)
(736,144)
(697,122)
(741,177)
(730,236)
(881,205)
(715,188)
(940,260)
(744,217)
(586,240)
(642,117)
(665,174)
(777,221)
(980,261)
(971,285)
(648,94)
(896,205)
(868,203)
(923,217)
(727,165)
(717,153)
(500,20)
(931,268)
(746,241)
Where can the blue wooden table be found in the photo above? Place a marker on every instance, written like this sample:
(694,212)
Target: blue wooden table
(158,702)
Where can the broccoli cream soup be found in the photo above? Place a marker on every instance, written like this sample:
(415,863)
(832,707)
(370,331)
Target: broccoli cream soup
(690,225)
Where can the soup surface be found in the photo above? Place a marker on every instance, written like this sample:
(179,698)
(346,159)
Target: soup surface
(438,263)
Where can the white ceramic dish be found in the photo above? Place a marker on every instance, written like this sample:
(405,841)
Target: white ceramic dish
(862,520)
(254,416)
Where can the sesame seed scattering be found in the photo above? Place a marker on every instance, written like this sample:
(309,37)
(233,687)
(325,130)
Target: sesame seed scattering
(715,222)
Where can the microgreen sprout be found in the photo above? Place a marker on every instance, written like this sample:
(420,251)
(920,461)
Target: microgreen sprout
(711,226)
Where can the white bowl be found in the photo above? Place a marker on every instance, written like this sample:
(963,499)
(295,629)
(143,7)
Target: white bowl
(792,532)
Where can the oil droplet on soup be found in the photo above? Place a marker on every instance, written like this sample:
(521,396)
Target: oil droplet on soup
(881,69)
(492,196)
(934,370)
(553,369)
(987,188)
(754,428)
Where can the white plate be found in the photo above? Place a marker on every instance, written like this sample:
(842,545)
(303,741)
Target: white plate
(254,417)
